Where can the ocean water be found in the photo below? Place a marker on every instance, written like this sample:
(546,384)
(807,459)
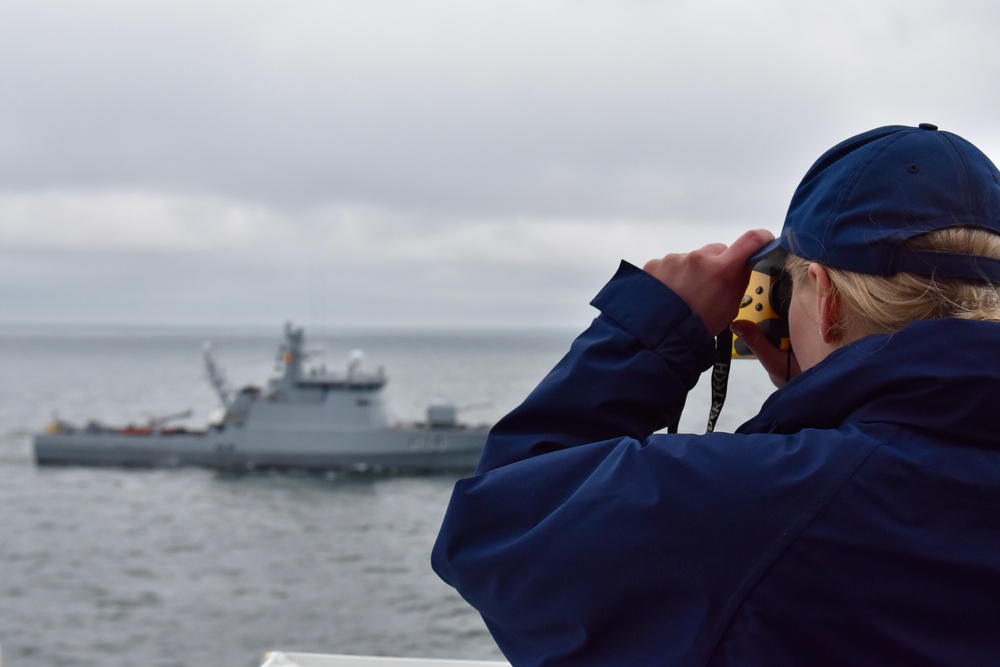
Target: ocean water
(186,566)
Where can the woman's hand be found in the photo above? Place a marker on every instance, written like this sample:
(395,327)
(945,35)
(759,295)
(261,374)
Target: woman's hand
(781,365)
(711,280)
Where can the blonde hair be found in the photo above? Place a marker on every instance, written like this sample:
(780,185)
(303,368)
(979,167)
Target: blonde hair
(879,304)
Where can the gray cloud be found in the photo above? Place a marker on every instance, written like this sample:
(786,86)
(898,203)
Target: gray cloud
(324,136)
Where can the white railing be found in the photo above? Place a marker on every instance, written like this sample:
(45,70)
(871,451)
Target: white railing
(282,659)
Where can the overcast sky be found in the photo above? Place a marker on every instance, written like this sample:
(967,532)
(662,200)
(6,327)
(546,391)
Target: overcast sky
(457,163)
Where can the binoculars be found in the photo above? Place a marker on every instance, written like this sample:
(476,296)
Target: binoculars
(766,304)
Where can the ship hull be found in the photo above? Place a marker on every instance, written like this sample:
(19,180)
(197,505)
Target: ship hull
(403,448)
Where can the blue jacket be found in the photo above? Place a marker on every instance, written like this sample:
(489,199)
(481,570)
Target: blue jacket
(854,521)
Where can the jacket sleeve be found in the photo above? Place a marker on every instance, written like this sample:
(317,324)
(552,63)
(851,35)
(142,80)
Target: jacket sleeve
(627,375)
(518,540)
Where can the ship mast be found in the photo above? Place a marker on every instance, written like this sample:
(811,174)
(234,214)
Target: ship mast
(217,378)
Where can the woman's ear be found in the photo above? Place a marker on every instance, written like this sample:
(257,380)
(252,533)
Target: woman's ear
(830,316)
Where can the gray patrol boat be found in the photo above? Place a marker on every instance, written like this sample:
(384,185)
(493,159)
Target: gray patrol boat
(305,418)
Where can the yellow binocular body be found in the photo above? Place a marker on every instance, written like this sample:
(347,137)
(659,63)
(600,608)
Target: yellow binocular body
(758,306)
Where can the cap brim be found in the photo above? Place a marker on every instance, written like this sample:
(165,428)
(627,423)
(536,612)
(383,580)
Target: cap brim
(769,259)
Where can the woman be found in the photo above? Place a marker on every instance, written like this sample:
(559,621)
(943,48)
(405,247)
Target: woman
(854,521)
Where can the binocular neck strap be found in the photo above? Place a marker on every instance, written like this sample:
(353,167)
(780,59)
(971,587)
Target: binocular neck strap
(720,376)
(720,380)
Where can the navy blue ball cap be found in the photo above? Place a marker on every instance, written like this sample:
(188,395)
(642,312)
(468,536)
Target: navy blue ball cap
(864,198)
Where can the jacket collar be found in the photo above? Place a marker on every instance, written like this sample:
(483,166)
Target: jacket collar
(937,376)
